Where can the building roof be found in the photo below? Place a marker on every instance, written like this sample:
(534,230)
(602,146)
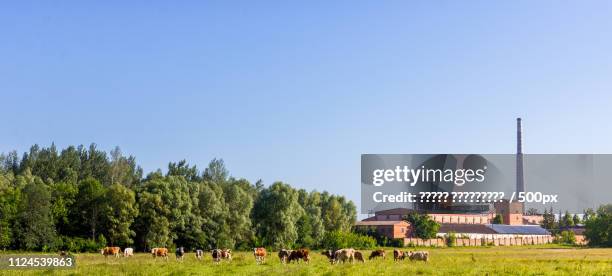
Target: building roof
(493,229)
(406,211)
(395,211)
(380,222)
(465,228)
(518,229)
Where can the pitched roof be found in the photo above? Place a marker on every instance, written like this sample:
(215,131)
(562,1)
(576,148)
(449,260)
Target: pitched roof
(465,228)
(395,211)
(380,222)
(493,229)
(518,229)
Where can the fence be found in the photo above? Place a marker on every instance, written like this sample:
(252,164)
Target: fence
(498,241)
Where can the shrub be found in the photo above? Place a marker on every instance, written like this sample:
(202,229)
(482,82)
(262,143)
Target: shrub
(381,239)
(81,245)
(451,239)
(566,237)
(338,239)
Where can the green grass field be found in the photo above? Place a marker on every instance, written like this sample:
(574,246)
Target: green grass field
(533,260)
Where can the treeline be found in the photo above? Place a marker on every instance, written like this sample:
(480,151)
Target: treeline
(597,225)
(82,198)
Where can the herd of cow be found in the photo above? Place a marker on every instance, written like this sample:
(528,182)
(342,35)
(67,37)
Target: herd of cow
(344,255)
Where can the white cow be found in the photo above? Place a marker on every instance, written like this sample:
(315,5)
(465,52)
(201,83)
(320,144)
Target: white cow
(128,252)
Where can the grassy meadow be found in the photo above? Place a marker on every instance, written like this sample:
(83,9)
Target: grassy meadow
(529,260)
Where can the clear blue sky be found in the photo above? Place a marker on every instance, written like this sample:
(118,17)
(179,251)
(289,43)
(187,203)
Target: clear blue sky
(296,92)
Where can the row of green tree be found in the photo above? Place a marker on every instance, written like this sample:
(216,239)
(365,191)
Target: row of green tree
(82,198)
(597,225)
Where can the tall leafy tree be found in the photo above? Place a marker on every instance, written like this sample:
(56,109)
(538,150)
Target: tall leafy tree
(213,211)
(63,198)
(238,205)
(152,225)
(310,225)
(276,215)
(9,201)
(34,229)
(120,211)
(90,206)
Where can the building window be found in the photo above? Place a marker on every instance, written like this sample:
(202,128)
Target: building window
(402,230)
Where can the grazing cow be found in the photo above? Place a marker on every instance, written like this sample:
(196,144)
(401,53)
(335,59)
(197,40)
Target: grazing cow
(226,254)
(260,254)
(160,252)
(128,251)
(106,251)
(63,253)
(344,255)
(218,254)
(180,253)
(398,255)
(199,254)
(330,255)
(300,254)
(418,256)
(359,257)
(283,255)
(377,253)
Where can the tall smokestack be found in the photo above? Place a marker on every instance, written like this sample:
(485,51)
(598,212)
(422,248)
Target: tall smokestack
(520,184)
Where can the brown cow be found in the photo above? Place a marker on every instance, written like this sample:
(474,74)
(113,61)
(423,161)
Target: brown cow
(398,255)
(160,252)
(218,254)
(377,253)
(359,257)
(300,254)
(226,254)
(260,254)
(106,251)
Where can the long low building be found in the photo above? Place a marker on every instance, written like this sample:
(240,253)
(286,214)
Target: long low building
(466,234)
(492,231)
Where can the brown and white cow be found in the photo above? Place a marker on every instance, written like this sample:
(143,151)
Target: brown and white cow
(218,254)
(418,256)
(284,254)
(344,255)
(180,253)
(160,252)
(108,251)
(260,254)
(199,254)
(300,254)
(377,253)
(398,255)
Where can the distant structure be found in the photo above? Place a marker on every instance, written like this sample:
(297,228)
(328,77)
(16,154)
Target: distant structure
(520,182)
(473,222)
